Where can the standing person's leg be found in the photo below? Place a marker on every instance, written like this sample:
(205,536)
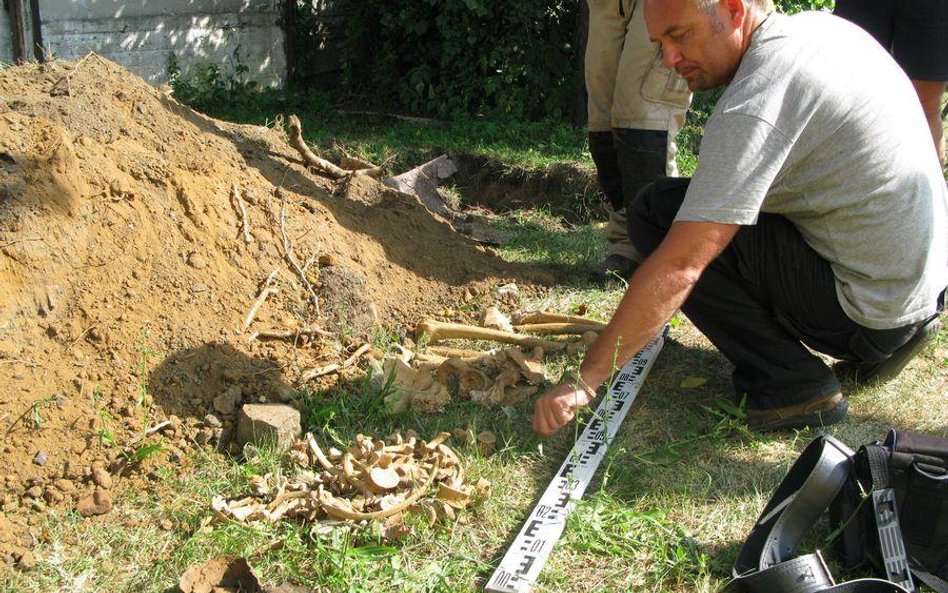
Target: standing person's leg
(930,94)
(649,106)
(608,21)
(920,46)
(913,31)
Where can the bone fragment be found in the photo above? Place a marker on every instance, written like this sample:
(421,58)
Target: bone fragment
(437,331)
(311,160)
(383,479)
(494,319)
(529,317)
(310,374)
(244,219)
(290,334)
(551,329)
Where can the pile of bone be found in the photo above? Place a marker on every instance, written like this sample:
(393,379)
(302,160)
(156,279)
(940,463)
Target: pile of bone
(499,377)
(427,381)
(372,480)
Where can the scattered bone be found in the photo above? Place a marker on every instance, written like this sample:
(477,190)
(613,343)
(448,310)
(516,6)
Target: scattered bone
(266,292)
(423,182)
(372,480)
(492,318)
(290,255)
(455,352)
(531,370)
(291,334)
(359,166)
(584,342)
(244,219)
(310,374)
(503,392)
(559,329)
(414,388)
(487,442)
(437,331)
(311,160)
(542,316)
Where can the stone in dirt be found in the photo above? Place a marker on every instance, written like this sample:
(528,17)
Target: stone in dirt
(101,477)
(268,424)
(97,503)
(224,573)
(226,402)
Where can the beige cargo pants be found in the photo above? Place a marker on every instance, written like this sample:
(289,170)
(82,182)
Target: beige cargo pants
(628,87)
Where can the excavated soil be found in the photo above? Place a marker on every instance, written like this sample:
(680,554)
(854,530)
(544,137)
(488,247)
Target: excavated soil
(126,277)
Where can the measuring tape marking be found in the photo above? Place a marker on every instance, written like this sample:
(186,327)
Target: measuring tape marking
(528,553)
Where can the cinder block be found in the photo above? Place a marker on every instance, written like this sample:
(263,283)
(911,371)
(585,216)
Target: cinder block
(266,424)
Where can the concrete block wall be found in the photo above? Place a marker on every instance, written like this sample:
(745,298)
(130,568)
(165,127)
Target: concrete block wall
(140,34)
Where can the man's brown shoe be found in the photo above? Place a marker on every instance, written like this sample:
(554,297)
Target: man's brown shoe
(822,411)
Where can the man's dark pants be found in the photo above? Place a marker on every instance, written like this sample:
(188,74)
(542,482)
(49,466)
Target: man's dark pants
(761,300)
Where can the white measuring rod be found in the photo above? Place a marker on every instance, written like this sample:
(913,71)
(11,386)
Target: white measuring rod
(520,567)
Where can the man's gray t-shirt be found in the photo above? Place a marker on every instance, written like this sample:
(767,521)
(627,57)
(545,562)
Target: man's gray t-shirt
(821,126)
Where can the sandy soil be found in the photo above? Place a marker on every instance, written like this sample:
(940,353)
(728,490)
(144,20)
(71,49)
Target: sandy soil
(125,277)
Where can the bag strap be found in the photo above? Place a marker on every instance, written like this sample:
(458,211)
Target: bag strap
(765,563)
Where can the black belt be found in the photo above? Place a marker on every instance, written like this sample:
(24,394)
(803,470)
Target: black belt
(766,563)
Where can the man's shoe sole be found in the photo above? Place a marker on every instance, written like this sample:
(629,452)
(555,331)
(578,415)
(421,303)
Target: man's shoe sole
(823,412)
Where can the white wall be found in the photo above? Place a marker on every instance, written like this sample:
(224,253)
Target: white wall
(140,34)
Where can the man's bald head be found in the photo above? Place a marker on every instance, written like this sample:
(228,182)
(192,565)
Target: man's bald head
(704,40)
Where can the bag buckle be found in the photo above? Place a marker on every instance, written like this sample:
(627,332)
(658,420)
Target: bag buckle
(890,538)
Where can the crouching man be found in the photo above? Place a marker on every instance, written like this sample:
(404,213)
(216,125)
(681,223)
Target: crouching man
(816,217)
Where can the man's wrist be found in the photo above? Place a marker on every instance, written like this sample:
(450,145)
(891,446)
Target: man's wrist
(578,383)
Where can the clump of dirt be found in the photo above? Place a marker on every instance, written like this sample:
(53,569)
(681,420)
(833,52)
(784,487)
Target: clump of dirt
(127,273)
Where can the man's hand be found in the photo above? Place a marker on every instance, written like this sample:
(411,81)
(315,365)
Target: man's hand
(557,407)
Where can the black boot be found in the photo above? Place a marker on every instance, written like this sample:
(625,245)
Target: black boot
(602,147)
(603,150)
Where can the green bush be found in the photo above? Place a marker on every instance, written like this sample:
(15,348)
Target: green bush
(510,58)
(513,59)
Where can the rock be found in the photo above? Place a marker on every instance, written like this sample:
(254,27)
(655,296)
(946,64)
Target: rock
(212,421)
(97,503)
(33,492)
(224,573)
(204,436)
(196,261)
(53,496)
(26,560)
(101,477)
(268,423)
(226,403)
(40,458)
(65,485)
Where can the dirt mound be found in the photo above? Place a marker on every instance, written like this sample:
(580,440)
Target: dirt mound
(126,273)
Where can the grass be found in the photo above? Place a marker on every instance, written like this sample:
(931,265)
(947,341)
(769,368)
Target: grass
(679,489)
(673,500)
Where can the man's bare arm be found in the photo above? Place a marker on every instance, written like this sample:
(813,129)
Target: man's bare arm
(657,290)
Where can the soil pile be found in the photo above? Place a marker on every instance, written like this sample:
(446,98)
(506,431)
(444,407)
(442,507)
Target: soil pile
(127,272)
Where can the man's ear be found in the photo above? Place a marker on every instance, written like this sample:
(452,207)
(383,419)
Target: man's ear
(736,10)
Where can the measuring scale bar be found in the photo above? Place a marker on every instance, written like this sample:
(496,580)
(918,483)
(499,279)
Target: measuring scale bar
(521,565)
